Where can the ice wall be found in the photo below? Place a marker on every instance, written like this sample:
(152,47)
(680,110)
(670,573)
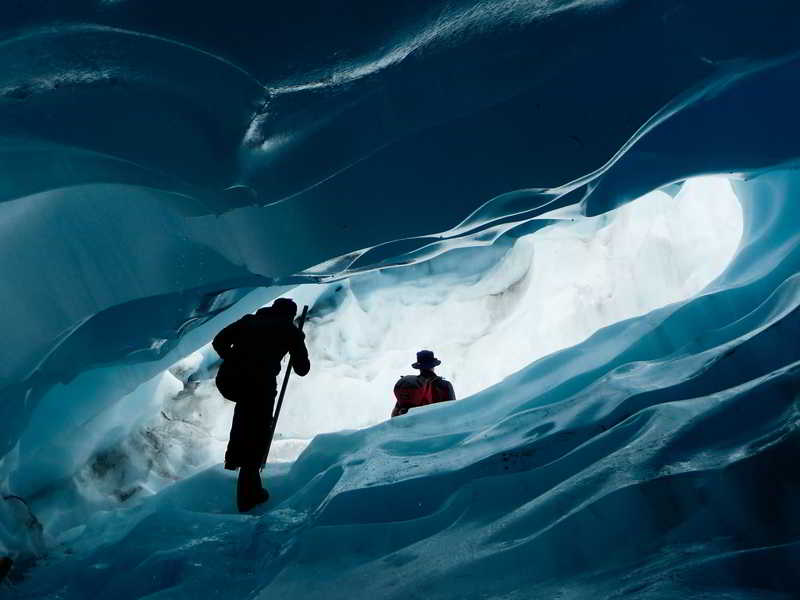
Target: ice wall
(127,127)
(141,139)
(550,290)
(653,460)
(364,331)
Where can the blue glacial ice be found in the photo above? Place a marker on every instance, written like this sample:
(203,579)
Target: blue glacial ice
(167,167)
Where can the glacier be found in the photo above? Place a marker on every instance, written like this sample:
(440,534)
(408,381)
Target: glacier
(167,167)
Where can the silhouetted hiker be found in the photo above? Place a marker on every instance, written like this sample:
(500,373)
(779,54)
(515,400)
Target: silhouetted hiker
(426,388)
(251,350)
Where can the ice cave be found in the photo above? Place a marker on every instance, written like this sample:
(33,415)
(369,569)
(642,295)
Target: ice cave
(588,209)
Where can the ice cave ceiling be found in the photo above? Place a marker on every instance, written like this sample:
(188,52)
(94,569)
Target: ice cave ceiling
(163,162)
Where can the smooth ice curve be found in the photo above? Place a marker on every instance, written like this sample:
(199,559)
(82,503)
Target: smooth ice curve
(674,431)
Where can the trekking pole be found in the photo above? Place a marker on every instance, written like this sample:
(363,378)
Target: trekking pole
(283,391)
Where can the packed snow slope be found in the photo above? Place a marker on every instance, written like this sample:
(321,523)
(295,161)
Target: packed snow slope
(160,160)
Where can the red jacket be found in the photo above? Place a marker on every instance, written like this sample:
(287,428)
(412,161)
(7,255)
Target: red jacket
(416,390)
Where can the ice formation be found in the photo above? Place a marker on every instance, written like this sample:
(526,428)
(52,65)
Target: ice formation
(466,303)
(168,166)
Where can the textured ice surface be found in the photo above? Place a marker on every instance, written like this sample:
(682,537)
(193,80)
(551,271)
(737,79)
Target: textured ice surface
(652,460)
(550,290)
(364,332)
(160,160)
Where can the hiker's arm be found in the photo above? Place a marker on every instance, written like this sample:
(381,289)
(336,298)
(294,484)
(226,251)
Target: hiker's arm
(451,394)
(398,410)
(299,354)
(400,407)
(223,342)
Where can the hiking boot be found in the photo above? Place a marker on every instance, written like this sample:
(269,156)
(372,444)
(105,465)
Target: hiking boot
(263,496)
(247,504)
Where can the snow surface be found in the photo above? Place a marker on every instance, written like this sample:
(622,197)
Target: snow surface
(160,161)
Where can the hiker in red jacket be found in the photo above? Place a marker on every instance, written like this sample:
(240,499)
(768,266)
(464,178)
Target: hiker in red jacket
(426,388)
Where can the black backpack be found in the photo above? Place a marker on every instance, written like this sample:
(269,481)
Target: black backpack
(231,380)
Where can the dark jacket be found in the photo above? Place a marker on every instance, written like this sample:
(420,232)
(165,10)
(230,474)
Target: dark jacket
(252,349)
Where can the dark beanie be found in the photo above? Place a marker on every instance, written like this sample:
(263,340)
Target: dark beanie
(285,306)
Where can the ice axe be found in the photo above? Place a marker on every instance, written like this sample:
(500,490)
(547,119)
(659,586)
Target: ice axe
(283,392)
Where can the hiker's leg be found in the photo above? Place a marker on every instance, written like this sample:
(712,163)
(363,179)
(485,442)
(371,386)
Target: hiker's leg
(246,487)
(249,491)
(251,432)
(235,453)
(5,566)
